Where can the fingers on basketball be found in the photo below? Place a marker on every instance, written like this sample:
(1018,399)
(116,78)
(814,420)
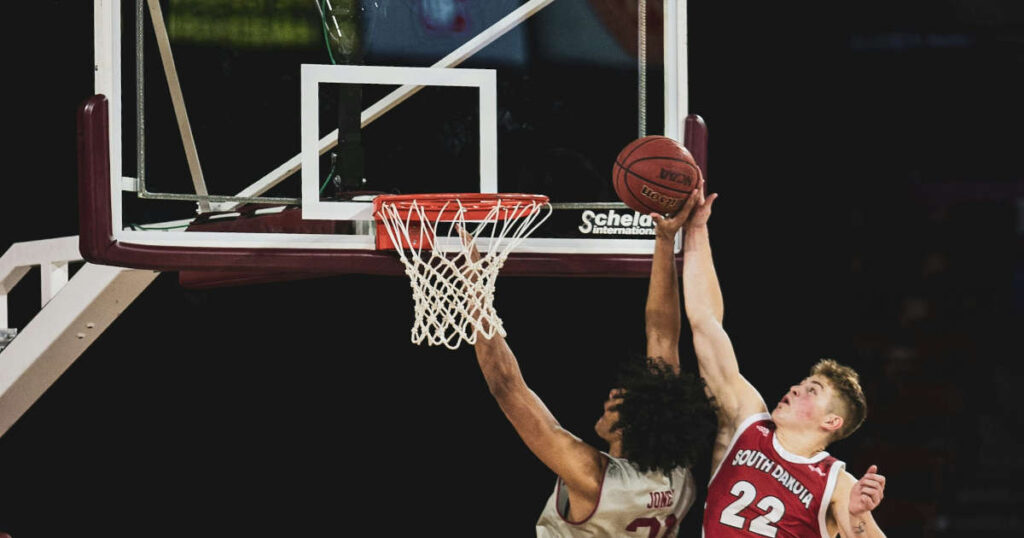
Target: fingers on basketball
(684,212)
(694,199)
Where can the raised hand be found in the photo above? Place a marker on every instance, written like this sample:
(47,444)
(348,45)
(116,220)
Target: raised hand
(695,212)
(867,493)
(703,209)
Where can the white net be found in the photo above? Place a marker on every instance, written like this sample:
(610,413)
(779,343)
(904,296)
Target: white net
(452,284)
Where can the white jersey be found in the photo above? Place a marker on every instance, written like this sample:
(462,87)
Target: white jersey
(630,503)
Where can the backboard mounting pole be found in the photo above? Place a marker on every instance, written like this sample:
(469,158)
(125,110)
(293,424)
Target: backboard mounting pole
(178,99)
(676,69)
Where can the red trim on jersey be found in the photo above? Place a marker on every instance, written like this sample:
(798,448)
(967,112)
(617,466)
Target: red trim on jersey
(600,488)
(826,498)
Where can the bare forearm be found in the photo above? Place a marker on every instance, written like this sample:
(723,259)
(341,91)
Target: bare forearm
(579,464)
(702,293)
(662,313)
(853,501)
(498,364)
(864,526)
(716,359)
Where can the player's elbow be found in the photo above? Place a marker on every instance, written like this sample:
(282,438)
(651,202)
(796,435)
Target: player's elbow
(662,339)
(703,321)
(662,327)
(699,310)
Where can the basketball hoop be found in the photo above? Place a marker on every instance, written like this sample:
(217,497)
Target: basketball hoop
(453,294)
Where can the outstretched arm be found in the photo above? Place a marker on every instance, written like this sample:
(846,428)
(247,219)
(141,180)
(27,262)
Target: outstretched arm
(735,397)
(852,503)
(662,313)
(579,465)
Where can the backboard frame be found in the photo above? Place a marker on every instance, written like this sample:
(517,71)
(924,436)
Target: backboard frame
(265,247)
(312,76)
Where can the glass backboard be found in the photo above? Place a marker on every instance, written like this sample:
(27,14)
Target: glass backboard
(270,126)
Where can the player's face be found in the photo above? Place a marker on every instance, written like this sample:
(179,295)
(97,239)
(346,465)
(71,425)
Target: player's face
(805,404)
(610,417)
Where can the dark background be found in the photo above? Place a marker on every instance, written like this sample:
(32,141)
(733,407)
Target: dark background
(872,208)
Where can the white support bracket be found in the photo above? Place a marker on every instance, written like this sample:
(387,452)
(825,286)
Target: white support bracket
(61,332)
(52,256)
(3,313)
(53,276)
(129,184)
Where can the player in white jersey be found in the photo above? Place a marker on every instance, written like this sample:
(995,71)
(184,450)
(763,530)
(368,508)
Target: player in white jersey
(656,421)
(772,476)
(631,501)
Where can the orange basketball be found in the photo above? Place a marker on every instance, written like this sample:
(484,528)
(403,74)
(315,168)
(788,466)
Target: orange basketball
(654,174)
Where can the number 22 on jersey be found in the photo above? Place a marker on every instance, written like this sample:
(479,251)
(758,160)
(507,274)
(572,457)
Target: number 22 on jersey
(762,525)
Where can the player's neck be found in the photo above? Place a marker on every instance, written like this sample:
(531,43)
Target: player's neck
(615,449)
(799,443)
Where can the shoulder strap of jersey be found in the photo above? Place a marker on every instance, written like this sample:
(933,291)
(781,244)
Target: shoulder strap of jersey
(826,497)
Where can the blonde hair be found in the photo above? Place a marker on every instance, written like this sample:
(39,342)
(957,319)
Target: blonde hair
(846,383)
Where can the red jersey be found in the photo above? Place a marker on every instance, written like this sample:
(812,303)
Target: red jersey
(761,489)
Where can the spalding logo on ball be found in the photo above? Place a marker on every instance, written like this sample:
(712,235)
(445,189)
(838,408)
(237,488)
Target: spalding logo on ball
(655,174)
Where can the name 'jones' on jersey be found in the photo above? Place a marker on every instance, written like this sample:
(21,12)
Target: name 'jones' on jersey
(761,489)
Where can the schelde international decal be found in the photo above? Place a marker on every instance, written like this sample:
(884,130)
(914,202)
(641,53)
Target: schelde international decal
(612,222)
(576,223)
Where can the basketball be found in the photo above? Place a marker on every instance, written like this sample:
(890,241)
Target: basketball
(654,174)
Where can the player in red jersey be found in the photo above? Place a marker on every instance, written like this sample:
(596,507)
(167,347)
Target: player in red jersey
(771,475)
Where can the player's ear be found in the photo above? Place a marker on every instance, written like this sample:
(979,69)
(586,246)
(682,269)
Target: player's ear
(832,423)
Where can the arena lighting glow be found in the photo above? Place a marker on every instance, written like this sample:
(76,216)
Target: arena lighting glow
(443,15)
(241,24)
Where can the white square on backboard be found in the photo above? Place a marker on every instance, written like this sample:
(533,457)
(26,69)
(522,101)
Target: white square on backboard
(411,78)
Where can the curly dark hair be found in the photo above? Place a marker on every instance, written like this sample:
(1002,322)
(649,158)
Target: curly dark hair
(666,418)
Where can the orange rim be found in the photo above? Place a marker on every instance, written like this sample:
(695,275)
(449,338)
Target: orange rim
(477,205)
